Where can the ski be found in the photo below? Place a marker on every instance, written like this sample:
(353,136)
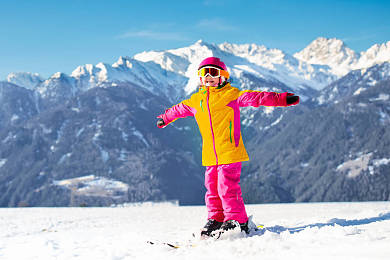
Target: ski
(175,245)
(216,236)
(162,243)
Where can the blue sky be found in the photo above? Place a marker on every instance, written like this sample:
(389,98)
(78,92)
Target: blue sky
(48,36)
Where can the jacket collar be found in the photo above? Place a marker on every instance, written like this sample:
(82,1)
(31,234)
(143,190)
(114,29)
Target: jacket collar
(214,89)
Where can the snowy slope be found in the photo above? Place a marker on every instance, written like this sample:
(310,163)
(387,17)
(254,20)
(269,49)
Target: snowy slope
(282,66)
(145,74)
(354,83)
(293,231)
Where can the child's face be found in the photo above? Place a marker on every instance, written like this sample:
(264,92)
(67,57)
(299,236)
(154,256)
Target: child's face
(210,81)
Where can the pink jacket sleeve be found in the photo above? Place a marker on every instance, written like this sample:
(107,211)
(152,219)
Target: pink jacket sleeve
(177,111)
(262,98)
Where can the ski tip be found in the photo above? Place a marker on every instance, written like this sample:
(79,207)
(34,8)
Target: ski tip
(171,245)
(163,243)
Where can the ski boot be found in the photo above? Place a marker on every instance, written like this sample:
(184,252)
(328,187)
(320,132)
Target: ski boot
(211,226)
(233,224)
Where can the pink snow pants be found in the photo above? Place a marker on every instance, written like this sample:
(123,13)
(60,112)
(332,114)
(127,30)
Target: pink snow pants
(223,197)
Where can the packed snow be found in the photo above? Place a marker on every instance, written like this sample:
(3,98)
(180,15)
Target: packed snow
(292,231)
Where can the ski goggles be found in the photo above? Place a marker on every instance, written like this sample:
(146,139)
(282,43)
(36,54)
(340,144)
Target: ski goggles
(212,72)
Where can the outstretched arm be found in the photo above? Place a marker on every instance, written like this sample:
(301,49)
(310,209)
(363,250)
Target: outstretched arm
(177,111)
(262,98)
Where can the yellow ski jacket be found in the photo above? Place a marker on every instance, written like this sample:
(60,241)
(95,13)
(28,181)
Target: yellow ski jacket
(216,110)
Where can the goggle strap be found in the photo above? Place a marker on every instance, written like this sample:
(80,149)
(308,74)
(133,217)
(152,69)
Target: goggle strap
(224,73)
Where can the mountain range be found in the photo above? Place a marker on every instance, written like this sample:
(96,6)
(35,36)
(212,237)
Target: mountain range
(89,138)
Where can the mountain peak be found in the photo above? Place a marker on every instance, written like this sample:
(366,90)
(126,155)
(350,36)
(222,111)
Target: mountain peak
(328,41)
(58,75)
(378,53)
(203,44)
(322,49)
(329,51)
(25,79)
(123,61)
(199,42)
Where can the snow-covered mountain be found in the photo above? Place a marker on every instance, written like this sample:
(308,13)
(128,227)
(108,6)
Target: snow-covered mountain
(25,79)
(271,65)
(341,59)
(353,83)
(172,73)
(148,75)
(99,121)
(377,54)
(17,104)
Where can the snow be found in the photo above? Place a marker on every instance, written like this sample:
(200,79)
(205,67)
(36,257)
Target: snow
(383,117)
(172,73)
(92,185)
(2,162)
(277,121)
(79,132)
(379,162)
(332,52)
(125,136)
(140,136)
(293,231)
(362,163)
(304,165)
(381,97)
(356,166)
(14,118)
(45,130)
(104,154)
(341,59)
(64,157)
(359,91)
(271,64)
(60,131)
(25,79)
(376,54)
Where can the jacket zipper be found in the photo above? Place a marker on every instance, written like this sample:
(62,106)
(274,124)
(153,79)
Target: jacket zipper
(211,125)
(230,130)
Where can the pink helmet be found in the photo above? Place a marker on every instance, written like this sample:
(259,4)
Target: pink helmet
(212,61)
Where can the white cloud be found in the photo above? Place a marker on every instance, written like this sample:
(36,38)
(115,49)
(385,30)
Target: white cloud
(367,35)
(359,38)
(153,35)
(216,24)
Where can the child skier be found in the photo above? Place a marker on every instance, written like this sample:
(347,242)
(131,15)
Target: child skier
(216,109)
